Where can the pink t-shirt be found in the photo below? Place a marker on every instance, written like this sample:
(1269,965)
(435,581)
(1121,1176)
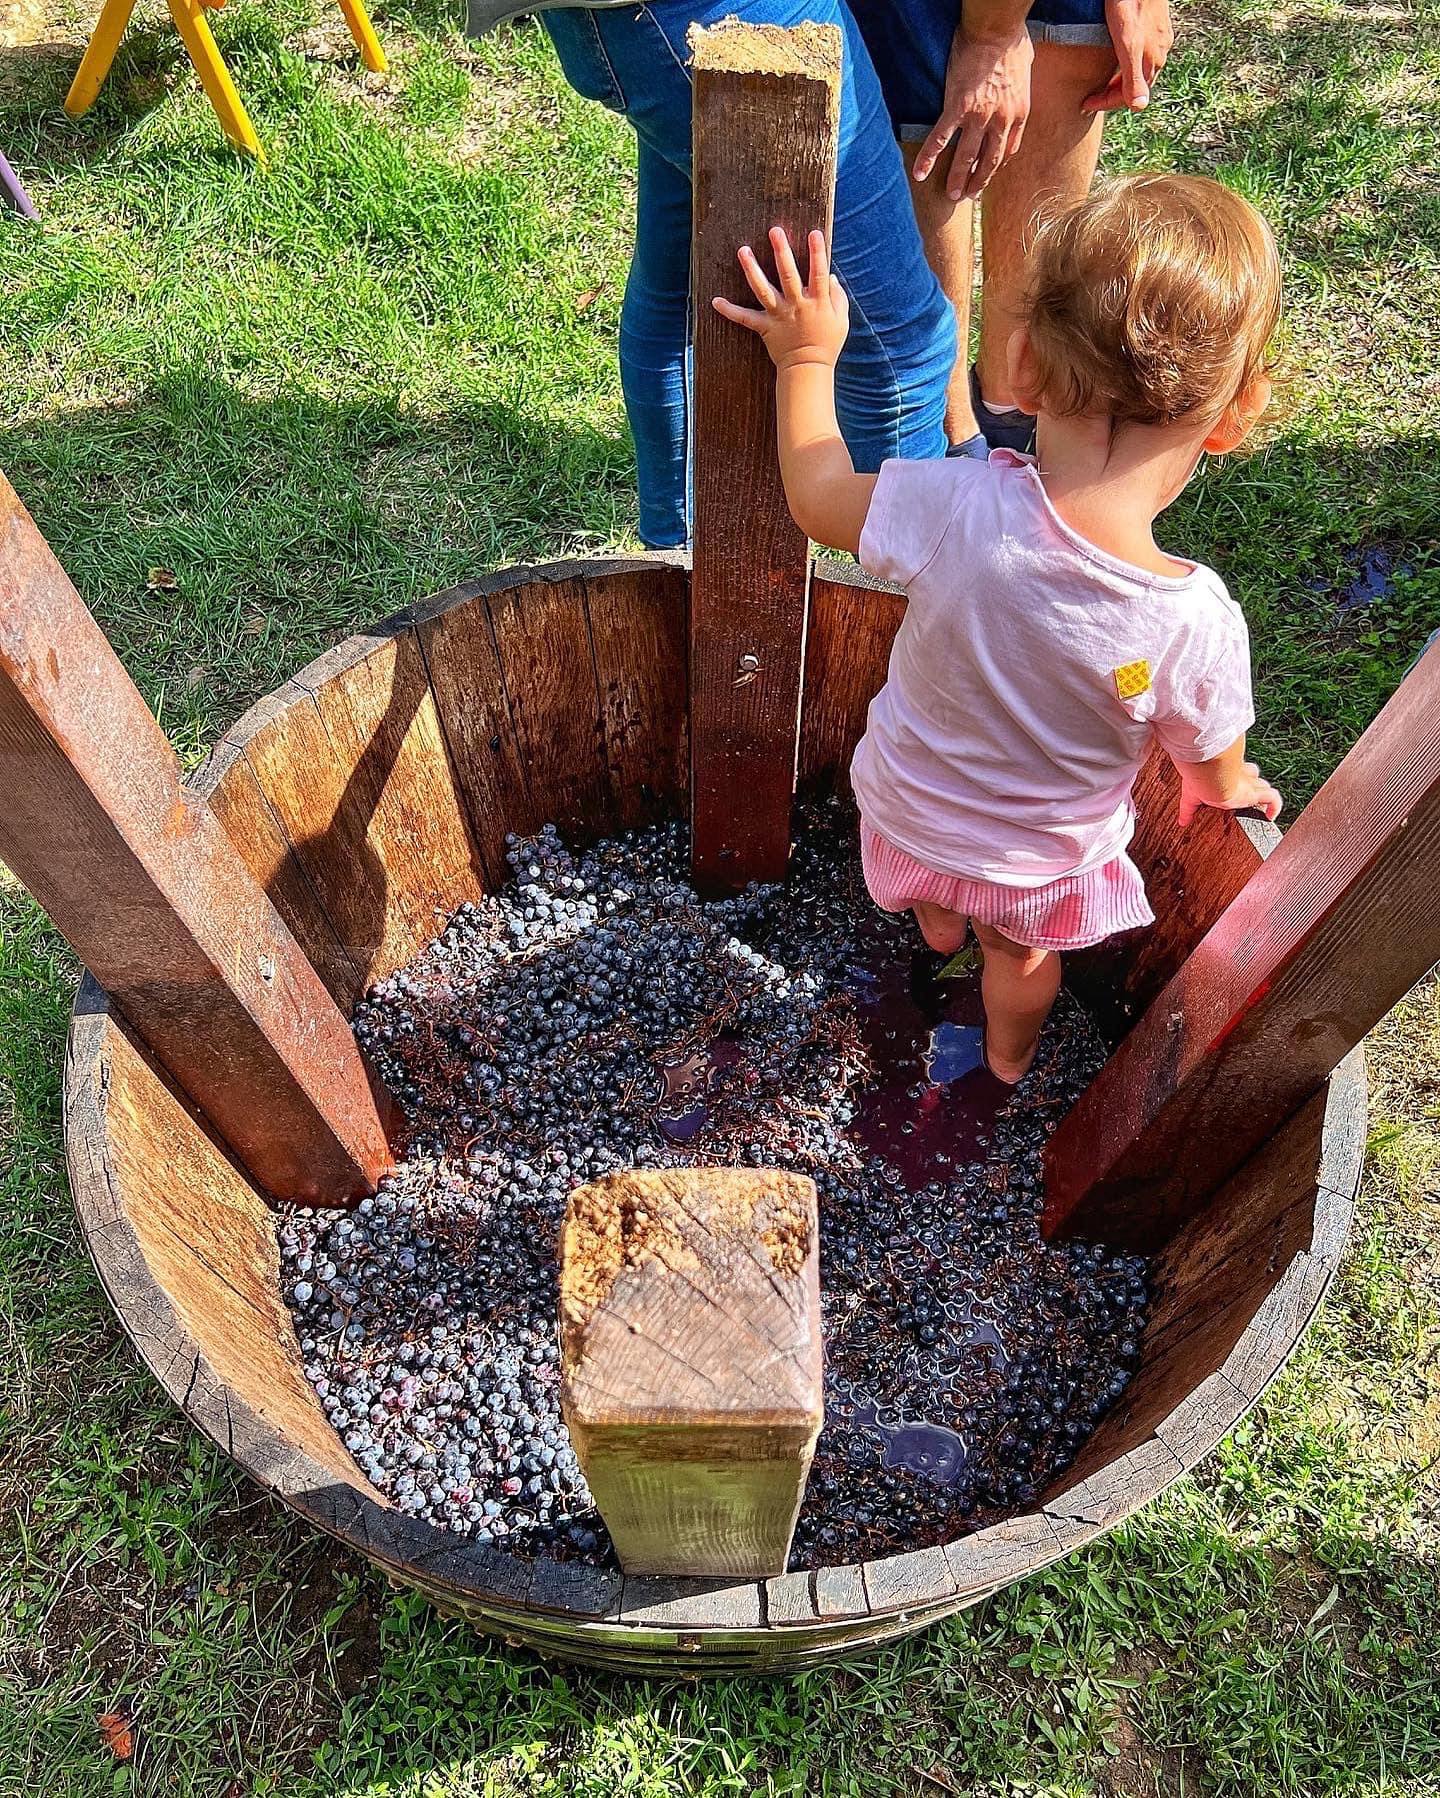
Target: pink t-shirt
(1028,675)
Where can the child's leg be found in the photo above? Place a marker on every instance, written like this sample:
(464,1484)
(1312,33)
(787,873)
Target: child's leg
(1018,986)
(943,930)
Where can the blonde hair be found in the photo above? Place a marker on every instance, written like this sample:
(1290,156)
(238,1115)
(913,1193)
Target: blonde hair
(1154,300)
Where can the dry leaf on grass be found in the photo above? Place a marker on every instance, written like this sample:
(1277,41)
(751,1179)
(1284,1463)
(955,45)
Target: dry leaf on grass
(117,1734)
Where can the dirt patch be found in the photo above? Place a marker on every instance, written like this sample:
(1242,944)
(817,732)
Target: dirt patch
(21,22)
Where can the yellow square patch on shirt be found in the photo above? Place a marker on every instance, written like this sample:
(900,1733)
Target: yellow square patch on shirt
(1132,679)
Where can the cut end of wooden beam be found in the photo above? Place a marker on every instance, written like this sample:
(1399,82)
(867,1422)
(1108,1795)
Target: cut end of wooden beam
(692,1378)
(733,48)
(726,1238)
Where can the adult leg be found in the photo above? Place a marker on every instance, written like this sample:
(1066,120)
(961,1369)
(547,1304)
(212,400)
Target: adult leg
(1054,166)
(654,348)
(623,60)
(947,229)
(890,385)
(1018,986)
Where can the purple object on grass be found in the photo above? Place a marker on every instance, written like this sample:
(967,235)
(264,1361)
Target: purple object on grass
(15,192)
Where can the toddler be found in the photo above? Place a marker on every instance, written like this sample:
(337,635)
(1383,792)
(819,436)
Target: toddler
(1047,637)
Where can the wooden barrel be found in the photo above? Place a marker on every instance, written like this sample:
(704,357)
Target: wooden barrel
(372,795)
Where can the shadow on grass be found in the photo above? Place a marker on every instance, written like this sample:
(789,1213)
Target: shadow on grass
(35,78)
(291,519)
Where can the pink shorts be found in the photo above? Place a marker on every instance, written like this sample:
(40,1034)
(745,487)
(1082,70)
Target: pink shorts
(1071,913)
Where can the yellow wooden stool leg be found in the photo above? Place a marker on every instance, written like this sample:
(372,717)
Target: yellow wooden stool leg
(363,33)
(99,54)
(194,28)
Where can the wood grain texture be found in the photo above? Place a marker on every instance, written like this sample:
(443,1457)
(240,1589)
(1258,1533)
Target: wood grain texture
(852,626)
(185,1245)
(350,760)
(1212,1281)
(1191,875)
(637,619)
(562,694)
(227,783)
(149,890)
(766,122)
(457,638)
(691,1362)
(1329,933)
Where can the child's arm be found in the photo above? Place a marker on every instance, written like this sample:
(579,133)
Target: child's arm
(1228,782)
(804,329)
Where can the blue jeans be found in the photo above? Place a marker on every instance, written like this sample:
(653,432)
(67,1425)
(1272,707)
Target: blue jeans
(890,384)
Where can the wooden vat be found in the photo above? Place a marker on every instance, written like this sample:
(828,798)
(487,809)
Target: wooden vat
(371,796)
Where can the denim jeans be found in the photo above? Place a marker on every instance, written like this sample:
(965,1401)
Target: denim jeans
(890,384)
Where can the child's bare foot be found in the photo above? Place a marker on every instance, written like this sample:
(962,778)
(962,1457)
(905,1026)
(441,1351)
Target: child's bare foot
(1010,1072)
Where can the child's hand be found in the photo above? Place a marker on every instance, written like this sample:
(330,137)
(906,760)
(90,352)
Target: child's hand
(1248,792)
(797,324)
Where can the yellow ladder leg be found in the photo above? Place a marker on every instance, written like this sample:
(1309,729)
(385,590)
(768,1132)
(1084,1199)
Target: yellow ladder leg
(99,54)
(363,33)
(194,28)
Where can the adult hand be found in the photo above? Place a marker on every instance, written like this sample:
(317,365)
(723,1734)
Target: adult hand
(1142,35)
(987,101)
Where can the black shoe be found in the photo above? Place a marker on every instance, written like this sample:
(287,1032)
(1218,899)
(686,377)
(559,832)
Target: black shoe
(1010,429)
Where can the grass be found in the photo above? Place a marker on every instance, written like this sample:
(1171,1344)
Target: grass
(316,393)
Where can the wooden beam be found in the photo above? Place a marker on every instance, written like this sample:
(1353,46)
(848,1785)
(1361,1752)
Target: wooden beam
(691,1362)
(766,126)
(1329,933)
(143,881)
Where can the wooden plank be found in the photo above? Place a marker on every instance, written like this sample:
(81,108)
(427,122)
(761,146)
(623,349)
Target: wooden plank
(840,1592)
(766,124)
(149,890)
(1099,1500)
(458,642)
(853,621)
(653,1602)
(790,1601)
(184,1246)
(1202,1419)
(542,640)
(575,1590)
(561,691)
(1330,932)
(350,758)
(1274,1332)
(637,619)
(1210,1281)
(907,1582)
(1191,875)
(1342,1150)
(1002,1553)
(373,699)
(1261,1219)
(227,783)
(691,1362)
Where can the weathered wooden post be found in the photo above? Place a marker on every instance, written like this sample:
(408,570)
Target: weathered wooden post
(1329,933)
(690,1341)
(766,126)
(153,897)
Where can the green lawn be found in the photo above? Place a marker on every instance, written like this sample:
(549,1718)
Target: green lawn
(319,392)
